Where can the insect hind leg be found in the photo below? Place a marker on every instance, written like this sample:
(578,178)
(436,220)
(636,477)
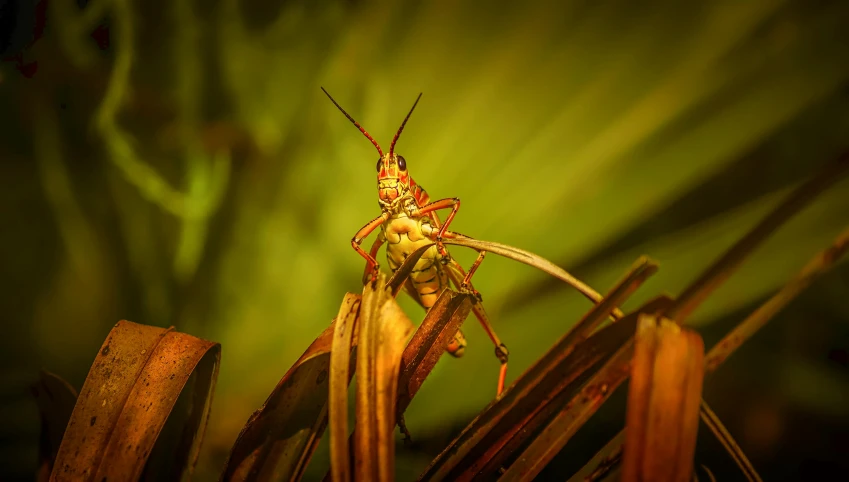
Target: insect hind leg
(459,278)
(467,279)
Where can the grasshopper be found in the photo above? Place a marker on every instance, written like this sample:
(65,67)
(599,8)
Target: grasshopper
(408,221)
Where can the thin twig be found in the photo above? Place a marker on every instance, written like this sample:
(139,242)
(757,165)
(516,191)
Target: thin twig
(535,261)
(712,421)
(565,424)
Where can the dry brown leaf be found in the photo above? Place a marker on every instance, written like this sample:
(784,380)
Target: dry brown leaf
(279,438)
(718,272)
(419,357)
(129,393)
(383,333)
(663,402)
(504,425)
(429,342)
(340,377)
(568,412)
(535,261)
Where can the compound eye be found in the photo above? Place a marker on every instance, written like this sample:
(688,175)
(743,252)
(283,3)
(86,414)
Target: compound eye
(379,162)
(402,163)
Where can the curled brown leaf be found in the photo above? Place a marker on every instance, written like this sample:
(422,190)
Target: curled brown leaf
(131,389)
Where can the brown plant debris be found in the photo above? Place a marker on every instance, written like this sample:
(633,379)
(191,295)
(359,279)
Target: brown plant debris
(131,389)
(663,402)
(507,422)
(383,332)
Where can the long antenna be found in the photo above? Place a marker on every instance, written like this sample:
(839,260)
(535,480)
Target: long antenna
(398,134)
(361,127)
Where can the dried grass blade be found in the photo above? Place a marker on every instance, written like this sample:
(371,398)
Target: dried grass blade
(564,364)
(130,392)
(423,351)
(383,333)
(715,425)
(816,267)
(566,423)
(717,273)
(429,342)
(340,376)
(663,402)
(639,394)
(689,419)
(507,450)
(535,261)
(395,331)
(279,438)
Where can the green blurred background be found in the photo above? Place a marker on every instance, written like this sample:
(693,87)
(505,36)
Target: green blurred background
(175,163)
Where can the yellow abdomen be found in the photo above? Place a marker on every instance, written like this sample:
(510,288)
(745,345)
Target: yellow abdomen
(403,236)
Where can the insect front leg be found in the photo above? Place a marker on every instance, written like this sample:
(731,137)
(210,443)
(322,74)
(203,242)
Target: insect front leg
(357,240)
(454,204)
(370,268)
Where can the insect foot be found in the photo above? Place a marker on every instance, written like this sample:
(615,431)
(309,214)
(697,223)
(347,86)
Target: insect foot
(370,275)
(445,258)
(502,353)
(441,248)
(466,288)
(402,425)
